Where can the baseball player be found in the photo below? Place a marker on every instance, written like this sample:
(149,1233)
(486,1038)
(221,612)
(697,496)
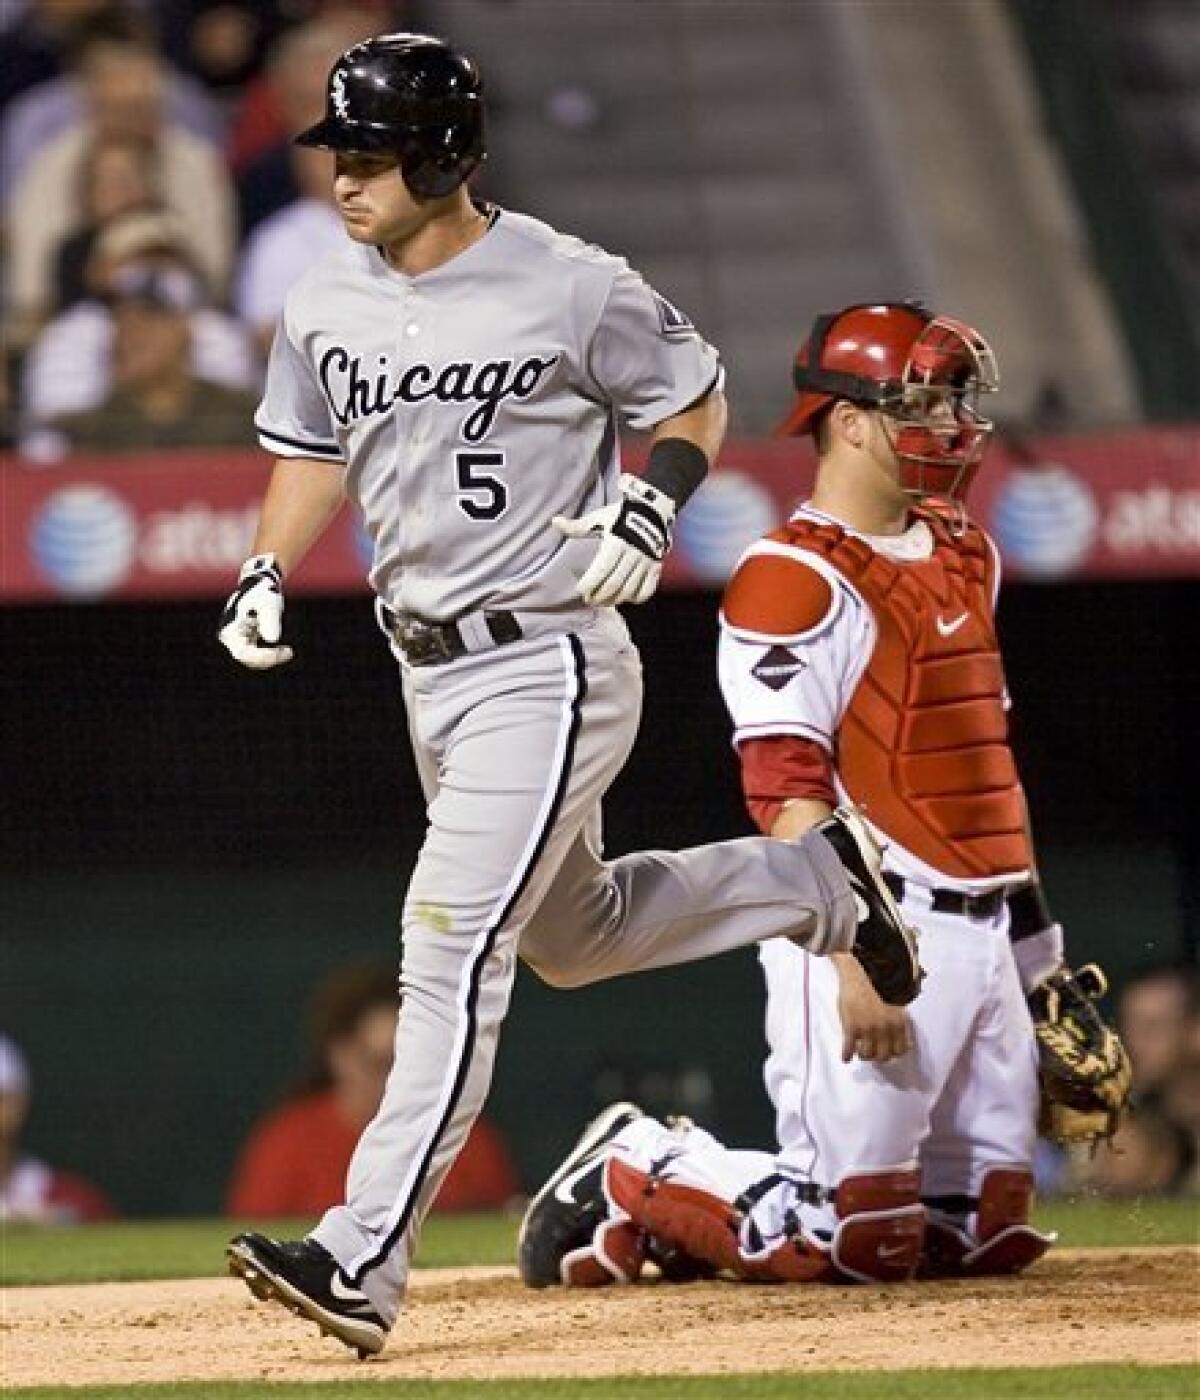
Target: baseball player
(858,659)
(459,372)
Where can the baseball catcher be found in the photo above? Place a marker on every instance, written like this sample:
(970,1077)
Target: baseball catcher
(859,658)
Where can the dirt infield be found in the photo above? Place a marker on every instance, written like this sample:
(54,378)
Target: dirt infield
(1082,1305)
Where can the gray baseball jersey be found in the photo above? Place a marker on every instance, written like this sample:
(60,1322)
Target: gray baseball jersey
(474,402)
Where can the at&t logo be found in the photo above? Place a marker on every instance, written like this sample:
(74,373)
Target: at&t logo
(1045,520)
(84,539)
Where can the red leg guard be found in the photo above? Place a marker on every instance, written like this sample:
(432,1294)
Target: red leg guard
(615,1254)
(882,1226)
(879,1238)
(700,1224)
(795,1261)
(1004,1241)
(1007,1242)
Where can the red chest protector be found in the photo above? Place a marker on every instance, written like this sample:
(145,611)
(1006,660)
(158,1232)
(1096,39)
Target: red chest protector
(923,746)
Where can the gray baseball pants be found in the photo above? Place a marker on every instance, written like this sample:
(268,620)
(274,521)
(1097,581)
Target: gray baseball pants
(515,748)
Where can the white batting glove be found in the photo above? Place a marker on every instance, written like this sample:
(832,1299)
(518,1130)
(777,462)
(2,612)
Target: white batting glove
(252,623)
(635,534)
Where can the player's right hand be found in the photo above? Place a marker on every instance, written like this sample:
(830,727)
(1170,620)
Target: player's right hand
(252,623)
(871,1029)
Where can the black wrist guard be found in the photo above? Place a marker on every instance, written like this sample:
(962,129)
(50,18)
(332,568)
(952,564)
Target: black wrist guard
(1028,912)
(676,467)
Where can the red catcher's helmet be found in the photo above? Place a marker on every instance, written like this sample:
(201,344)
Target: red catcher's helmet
(899,358)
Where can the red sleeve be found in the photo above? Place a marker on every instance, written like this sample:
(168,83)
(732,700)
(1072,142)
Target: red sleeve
(781,766)
(482,1175)
(262,1183)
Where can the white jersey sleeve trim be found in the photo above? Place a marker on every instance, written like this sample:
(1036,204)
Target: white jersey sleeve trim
(282,446)
(837,584)
(780,728)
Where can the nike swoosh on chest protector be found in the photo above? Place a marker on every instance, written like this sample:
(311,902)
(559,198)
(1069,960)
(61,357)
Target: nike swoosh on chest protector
(948,629)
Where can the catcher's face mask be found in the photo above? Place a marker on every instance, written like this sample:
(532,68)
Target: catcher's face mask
(933,416)
(925,373)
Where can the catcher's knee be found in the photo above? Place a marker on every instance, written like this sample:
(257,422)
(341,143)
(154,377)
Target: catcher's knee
(877,1236)
(881,1226)
(1001,1241)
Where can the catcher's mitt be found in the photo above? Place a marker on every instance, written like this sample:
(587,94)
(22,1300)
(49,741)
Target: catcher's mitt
(1082,1065)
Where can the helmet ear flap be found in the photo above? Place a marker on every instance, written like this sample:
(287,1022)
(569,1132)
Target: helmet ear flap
(435,166)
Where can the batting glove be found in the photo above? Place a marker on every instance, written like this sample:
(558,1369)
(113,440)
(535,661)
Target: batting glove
(252,623)
(635,534)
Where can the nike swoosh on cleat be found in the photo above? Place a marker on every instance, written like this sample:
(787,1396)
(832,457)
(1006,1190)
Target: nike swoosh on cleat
(348,1295)
(562,1189)
(948,629)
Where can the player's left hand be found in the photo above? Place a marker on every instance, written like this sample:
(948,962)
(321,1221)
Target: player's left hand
(635,534)
(871,1029)
(1083,1067)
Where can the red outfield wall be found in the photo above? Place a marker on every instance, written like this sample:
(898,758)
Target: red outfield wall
(1113,505)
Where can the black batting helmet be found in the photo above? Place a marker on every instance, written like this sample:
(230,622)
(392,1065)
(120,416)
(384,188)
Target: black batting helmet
(411,95)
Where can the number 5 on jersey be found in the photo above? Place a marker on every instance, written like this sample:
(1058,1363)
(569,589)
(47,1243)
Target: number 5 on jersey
(481,496)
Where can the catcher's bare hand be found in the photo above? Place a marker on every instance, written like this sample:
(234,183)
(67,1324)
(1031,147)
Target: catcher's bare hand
(252,623)
(871,1029)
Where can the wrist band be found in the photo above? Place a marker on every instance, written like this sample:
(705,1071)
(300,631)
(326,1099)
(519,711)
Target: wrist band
(1028,912)
(676,467)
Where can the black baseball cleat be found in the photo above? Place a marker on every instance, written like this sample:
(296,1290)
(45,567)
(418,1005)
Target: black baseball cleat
(305,1277)
(564,1214)
(885,945)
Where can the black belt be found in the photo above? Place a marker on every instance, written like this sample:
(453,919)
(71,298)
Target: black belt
(425,643)
(974,906)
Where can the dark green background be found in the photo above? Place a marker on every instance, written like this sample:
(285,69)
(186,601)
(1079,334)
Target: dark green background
(186,848)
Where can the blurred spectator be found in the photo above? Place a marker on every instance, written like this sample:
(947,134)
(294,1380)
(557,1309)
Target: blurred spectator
(8,416)
(68,368)
(224,42)
(1179,1100)
(295,1160)
(220,42)
(1148,1154)
(123,83)
(288,242)
(117,178)
(38,45)
(288,97)
(1156,1016)
(50,108)
(1157,1146)
(30,1191)
(156,401)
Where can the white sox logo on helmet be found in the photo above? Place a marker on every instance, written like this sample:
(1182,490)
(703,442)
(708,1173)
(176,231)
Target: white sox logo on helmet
(337,93)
